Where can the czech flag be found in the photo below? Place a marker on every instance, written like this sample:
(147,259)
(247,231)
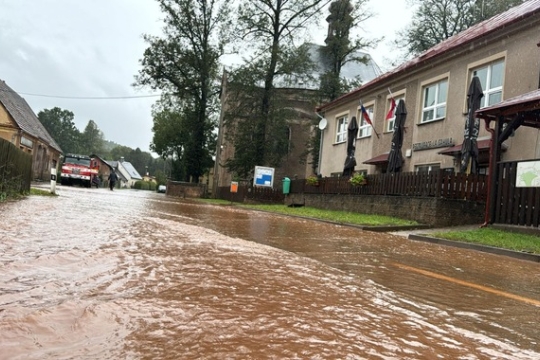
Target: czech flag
(365,115)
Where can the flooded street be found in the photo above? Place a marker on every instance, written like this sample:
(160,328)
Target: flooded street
(94,274)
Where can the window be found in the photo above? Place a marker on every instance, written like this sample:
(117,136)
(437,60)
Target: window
(391,121)
(364,129)
(427,168)
(434,104)
(491,77)
(341,129)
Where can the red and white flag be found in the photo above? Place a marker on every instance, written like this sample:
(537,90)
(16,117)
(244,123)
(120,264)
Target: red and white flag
(392,108)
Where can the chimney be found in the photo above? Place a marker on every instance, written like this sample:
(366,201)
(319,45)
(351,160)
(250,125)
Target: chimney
(121,159)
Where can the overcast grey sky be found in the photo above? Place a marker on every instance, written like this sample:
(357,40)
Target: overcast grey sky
(83,48)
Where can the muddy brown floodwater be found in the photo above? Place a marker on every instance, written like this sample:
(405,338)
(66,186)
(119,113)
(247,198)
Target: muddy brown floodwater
(94,274)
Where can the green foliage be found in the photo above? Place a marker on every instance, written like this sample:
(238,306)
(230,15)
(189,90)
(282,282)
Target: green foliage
(437,20)
(60,125)
(257,115)
(185,66)
(119,152)
(312,180)
(145,185)
(357,179)
(41,192)
(92,139)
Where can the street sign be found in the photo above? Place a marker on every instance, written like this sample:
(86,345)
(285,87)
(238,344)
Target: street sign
(234,187)
(264,176)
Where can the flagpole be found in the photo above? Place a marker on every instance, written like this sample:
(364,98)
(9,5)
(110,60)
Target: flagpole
(370,122)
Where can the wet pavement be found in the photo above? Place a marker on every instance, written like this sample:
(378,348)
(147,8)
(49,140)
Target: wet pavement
(94,274)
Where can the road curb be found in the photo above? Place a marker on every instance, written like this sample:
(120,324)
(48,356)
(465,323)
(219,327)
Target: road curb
(483,248)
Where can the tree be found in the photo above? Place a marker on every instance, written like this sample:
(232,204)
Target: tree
(185,66)
(170,138)
(437,20)
(256,117)
(341,47)
(92,139)
(59,123)
(118,152)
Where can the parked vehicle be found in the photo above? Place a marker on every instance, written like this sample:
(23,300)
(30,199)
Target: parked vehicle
(76,169)
(162,189)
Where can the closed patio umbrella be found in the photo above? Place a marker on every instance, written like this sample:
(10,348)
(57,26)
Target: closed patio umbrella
(469,148)
(395,159)
(350,161)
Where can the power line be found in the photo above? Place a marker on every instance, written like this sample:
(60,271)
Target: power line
(85,97)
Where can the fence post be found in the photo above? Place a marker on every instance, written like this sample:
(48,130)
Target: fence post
(53,180)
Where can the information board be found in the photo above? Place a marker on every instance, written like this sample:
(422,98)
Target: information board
(264,176)
(528,174)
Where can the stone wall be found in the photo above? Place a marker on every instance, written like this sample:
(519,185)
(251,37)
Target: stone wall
(186,190)
(432,211)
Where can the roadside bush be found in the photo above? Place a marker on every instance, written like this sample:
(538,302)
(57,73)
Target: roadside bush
(144,185)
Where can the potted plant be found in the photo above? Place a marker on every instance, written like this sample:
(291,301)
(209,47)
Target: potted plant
(357,180)
(312,180)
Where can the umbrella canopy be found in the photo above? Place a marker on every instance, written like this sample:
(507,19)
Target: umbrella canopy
(350,161)
(395,159)
(469,148)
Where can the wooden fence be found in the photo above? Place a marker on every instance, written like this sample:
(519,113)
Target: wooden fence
(15,169)
(440,184)
(515,205)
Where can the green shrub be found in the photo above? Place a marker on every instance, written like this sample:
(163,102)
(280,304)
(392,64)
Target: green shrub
(144,185)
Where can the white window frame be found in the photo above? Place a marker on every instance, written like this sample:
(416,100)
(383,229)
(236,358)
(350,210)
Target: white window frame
(487,87)
(436,105)
(364,129)
(341,128)
(430,167)
(390,122)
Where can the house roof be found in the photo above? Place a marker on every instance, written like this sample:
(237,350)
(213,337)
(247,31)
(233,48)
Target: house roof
(459,41)
(131,170)
(483,145)
(114,167)
(102,160)
(378,160)
(23,115)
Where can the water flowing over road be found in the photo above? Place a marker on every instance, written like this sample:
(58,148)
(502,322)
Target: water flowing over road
(95,274)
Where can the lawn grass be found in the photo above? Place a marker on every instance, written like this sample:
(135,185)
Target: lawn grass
(494,237)
(41,192)
(342,217)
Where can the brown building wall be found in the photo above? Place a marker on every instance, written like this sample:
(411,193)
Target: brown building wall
(44,157)
(301,128)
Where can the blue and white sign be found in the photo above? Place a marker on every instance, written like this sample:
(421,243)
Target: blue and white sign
(264,176)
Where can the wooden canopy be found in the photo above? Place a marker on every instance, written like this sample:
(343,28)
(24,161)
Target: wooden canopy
(508,115)
(526,105)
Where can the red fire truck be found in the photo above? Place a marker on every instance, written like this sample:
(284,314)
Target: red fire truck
(77,169)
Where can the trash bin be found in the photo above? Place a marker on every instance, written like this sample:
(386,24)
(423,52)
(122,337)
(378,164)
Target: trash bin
(286,185)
